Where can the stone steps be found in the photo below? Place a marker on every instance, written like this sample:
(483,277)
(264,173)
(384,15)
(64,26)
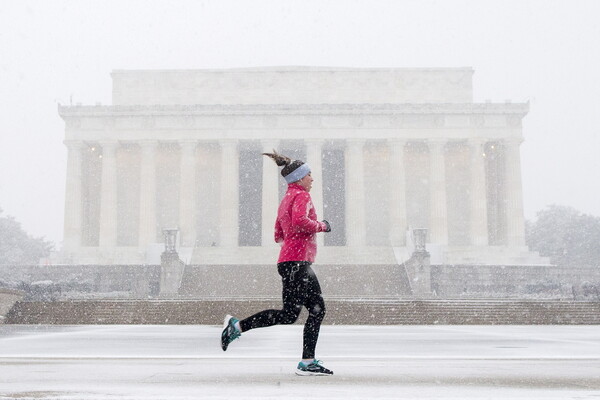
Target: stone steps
(367,312)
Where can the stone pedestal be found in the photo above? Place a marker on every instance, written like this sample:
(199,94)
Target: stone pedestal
(420,274)
(171,266)
(418,267)
(171,272)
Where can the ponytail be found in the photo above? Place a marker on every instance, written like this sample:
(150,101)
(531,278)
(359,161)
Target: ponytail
(287,163)
(279,159)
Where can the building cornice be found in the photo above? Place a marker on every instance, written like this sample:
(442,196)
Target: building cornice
(519,109)
(291,68)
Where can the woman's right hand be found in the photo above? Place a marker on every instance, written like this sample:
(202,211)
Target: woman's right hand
(328,226)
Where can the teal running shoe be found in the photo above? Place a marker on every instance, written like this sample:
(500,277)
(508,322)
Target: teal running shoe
(230,332)
(314,368)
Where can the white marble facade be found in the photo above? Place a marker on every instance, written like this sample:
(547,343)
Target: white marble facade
(390,150)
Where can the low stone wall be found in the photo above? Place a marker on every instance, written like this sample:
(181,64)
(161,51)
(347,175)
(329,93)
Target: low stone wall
(410,281)
(498,281)
(54,282)
(8,298)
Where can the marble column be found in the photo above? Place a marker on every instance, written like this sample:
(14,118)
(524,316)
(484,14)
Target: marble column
(147,234)
(187,190)
(513,193)
(314,148)
(108,199)
(73,197)
(397,171)
(270,193)
(229,207)
(355,193)
(478,198)
(438,217)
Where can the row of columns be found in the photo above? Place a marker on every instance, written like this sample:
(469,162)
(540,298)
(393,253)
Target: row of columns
(355,193)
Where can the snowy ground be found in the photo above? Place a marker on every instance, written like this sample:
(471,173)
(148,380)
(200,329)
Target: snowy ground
(392,362)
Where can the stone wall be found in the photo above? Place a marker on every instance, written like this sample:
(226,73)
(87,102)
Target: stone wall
(498,281)
(348,281)
(8,297)
(82,281)
(47,283)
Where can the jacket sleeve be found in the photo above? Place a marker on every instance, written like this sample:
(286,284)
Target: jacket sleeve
(300,220)
(278,232)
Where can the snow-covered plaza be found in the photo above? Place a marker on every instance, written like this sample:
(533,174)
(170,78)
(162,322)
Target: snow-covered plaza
(370,362)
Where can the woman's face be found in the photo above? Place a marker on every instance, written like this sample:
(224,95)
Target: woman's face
(306,182)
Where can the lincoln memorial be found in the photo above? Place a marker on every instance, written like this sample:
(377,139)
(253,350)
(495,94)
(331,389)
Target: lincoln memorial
(391,151)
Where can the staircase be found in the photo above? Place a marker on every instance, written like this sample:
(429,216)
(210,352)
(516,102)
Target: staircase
(339,311)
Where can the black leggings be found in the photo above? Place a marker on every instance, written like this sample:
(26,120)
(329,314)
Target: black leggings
(300,288)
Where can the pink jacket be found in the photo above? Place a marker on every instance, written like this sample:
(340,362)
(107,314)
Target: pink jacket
(297,225)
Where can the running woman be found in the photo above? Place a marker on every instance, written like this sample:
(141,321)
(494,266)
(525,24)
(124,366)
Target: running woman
(296,227)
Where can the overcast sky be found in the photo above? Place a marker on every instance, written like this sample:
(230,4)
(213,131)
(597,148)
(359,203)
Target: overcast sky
(543,52)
